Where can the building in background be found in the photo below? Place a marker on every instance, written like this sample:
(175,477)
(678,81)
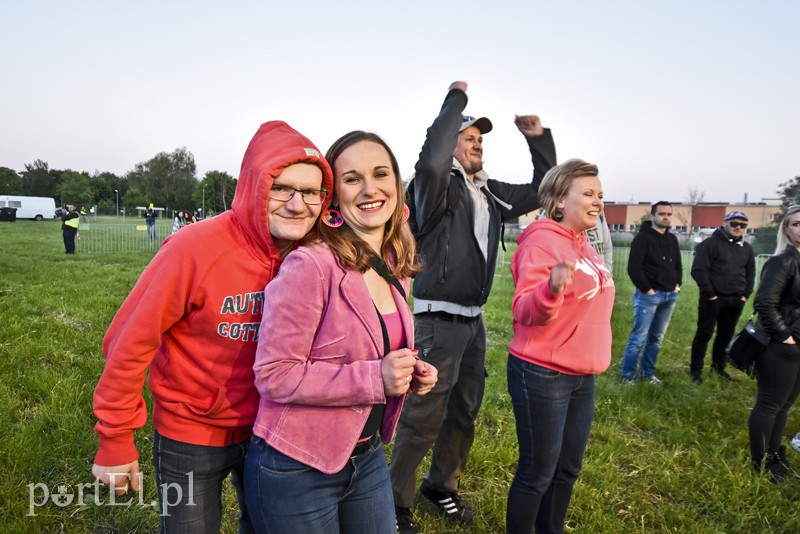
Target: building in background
(700,219)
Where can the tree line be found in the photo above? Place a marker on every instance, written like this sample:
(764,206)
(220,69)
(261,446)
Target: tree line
(168,180)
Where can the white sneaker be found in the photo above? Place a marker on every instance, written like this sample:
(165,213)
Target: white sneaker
(653,379)
(796,442)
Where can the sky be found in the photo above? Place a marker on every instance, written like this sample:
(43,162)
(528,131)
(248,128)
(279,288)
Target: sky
(665,97)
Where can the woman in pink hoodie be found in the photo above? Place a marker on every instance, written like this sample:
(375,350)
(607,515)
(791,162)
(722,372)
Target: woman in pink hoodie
(335,358)
(562,339)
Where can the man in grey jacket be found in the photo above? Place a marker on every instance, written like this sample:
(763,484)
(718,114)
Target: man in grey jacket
(457,212)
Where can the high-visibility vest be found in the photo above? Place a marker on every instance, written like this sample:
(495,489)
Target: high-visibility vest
(74,222)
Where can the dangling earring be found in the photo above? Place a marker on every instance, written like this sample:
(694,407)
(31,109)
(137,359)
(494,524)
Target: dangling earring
(558,215)
(332,217)
(406,212)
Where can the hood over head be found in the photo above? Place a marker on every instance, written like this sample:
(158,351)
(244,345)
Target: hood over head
(275,146)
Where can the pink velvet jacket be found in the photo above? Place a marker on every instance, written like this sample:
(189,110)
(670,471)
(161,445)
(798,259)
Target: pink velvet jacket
(318,362)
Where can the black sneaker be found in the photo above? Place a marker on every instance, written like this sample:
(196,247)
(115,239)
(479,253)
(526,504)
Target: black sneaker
(697,378)
(405,521)
(777,465)
(449,504)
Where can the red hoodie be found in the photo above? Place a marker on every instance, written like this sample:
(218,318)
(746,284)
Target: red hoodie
(193,317)
(569,332)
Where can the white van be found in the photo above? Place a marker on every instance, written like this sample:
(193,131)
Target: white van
(37,208)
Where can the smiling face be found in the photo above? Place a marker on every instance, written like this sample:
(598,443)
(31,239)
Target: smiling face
(366,189)
(582,204)
(291,220)
(469,150)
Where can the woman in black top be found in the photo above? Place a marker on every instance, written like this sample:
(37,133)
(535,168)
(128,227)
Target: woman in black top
(778,305)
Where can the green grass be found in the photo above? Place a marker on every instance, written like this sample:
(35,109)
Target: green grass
(668,459)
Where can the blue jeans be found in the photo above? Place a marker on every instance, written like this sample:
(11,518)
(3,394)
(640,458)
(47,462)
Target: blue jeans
(151,230)
(189,481)
(651,315)
(554,414)
(287,496)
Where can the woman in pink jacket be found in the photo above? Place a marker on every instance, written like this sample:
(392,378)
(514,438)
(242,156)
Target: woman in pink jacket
(335,357)
(562,338)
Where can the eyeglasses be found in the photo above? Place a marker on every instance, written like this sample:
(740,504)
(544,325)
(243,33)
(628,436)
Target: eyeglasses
(735,224)
(284,193)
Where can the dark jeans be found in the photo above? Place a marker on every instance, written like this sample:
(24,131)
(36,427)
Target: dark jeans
(721,313)
(445,417)
(189,481)
(69,240)
(554,414)
(288,497)
(778,388)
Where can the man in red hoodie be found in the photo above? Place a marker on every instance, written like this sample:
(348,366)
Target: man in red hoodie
(193,319)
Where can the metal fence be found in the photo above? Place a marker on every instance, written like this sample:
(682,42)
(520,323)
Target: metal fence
(621,263)
(103,238)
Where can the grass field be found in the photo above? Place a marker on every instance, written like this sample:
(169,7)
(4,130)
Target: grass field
(660,459)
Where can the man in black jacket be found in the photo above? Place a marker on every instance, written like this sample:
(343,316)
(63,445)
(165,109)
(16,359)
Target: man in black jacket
(69,228)
(655,268)
(457,213)
(724,268)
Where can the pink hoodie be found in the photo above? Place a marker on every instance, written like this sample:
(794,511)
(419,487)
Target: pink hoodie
(569,332)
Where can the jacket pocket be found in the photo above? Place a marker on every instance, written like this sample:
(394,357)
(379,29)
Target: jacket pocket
(219,400)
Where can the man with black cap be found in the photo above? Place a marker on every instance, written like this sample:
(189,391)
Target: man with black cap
(457,213)
(724,269)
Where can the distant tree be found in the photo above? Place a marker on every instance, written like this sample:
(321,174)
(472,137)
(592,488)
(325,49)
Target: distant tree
(37,181)
(790,192)
(694,197)
(76,188)
(167,180)
(217,188)
(10,182)
(764,239)
(103,185)
(132,198)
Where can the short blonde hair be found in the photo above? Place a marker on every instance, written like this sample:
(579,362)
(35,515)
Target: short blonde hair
(556,182)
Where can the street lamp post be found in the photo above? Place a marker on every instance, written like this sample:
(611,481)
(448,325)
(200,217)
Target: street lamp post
(117,193)
(204,202)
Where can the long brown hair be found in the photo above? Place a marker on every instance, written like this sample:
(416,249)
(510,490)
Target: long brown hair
(398,247)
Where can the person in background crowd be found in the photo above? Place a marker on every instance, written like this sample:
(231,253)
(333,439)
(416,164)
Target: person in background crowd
(177,222)
(724,268)
(656,270)
(193,318)
(332,384)
(457,216)
(563,298)
(69,228)
(777,303)
(150,221)
(600,238)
